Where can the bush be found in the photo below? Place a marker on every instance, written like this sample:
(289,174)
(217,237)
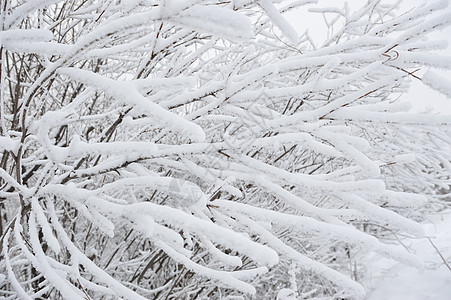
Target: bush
(202,149)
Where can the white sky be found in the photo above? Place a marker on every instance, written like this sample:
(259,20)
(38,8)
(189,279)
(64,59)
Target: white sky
(422,97)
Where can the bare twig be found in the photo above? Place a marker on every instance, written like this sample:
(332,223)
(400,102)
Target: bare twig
(438,252)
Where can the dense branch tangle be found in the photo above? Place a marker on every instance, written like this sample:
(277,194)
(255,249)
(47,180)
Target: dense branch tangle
(165,149)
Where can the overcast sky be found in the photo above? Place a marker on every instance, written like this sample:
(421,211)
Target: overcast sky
(422,97)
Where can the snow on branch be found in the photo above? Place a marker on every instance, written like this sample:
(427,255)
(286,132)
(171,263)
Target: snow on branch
(438,83)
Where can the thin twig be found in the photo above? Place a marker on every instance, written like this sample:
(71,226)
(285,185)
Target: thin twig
(438,252)
(83,290)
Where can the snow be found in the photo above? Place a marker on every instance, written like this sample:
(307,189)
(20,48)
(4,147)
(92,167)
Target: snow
(143,215)
(304,262)
(438,83)
(437,60)
(286,294)
(125,93)
(216,20)
(279,20)
(25,9)
(42,264)
(206,166)
(45,226)
(11,276)
(353,114)
(91,267)
(25,35)
(226,278)
(311,226)
(393,281)
(8,144)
